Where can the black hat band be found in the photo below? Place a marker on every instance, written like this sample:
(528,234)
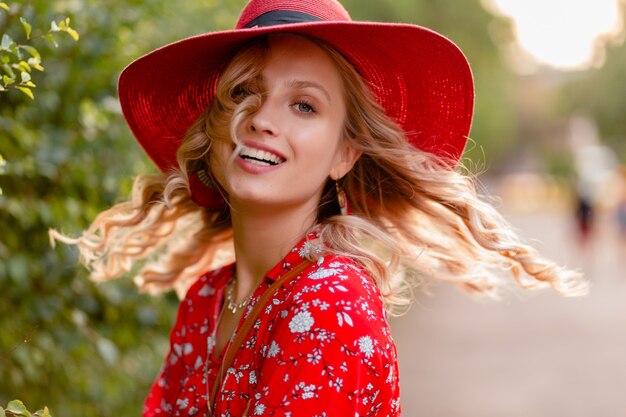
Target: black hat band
(281,17)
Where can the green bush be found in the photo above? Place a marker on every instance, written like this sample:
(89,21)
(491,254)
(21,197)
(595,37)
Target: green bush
(17,408)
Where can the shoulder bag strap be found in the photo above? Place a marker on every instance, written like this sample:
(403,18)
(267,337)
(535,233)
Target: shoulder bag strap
(233,348)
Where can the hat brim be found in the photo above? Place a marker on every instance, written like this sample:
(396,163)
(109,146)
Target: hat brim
(421,78)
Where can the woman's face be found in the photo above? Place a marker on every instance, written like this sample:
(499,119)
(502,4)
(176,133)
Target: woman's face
(293,143)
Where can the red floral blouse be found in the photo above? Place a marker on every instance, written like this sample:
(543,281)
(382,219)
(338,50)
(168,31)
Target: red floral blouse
(322,348)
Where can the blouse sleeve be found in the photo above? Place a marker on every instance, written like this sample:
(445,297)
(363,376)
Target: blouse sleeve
(163,395)
(330,352)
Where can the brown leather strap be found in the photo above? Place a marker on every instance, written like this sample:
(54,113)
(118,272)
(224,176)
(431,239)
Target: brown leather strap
(233,347)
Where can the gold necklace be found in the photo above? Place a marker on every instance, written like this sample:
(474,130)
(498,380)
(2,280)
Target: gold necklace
(231,305)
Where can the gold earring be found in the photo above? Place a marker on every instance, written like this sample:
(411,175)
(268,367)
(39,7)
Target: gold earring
(342,199)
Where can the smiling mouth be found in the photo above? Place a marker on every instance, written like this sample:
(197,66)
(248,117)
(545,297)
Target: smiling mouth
(260,157)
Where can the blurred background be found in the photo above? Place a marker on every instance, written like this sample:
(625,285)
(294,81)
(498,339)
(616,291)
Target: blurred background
(548,140)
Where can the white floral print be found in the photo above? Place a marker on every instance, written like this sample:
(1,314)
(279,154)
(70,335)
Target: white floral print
(323,273)
(301,322)
(366,346)
(259,409)
(273,350)
(314,357)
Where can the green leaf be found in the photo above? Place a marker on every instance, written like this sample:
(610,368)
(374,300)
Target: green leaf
(64,26)
(72,33)
(5,59)
(6,7)
(27,27)
(7,68)
(8,80)
(17,407)
(22,66)
(50,38)
(37,67)
(32,51)
(26,91)
(6,43)
(28,84)
(42,413)
(2,413)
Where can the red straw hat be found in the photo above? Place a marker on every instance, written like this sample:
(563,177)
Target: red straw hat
(421,78)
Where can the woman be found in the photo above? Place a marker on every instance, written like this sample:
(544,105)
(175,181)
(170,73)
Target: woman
(322,151)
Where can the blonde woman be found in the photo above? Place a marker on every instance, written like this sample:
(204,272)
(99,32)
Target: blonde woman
(321,152)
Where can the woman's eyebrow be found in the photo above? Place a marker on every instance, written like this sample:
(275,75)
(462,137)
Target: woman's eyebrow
(297,84)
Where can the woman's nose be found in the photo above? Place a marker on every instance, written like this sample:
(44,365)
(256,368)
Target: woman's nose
(264,119)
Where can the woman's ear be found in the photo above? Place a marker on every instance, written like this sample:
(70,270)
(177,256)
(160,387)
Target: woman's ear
(347,155)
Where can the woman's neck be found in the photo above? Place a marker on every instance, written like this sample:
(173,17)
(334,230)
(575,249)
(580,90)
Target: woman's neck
(262,239)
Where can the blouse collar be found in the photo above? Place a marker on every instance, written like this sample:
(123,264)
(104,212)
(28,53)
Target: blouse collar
(308,248)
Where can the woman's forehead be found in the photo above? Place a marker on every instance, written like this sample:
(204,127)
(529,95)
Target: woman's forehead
(299,61)
(283,46)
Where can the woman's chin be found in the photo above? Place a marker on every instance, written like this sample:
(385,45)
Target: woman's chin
(253,202)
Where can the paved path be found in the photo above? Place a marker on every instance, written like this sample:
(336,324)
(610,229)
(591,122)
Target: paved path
(535,354)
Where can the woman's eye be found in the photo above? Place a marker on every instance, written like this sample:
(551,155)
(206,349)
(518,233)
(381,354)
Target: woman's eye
(304,107)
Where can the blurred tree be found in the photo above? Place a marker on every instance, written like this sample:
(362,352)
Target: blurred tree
(597,93)
(93,350)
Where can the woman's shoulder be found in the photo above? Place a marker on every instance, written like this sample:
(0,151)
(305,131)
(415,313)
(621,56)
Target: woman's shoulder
(341,285)
(340,273)
(335,306)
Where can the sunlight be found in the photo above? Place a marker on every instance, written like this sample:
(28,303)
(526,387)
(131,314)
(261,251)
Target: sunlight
(565,34)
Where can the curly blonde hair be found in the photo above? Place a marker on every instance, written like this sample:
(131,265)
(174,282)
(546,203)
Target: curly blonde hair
(412,214)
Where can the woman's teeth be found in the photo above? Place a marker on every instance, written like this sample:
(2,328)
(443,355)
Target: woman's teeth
(260,157)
